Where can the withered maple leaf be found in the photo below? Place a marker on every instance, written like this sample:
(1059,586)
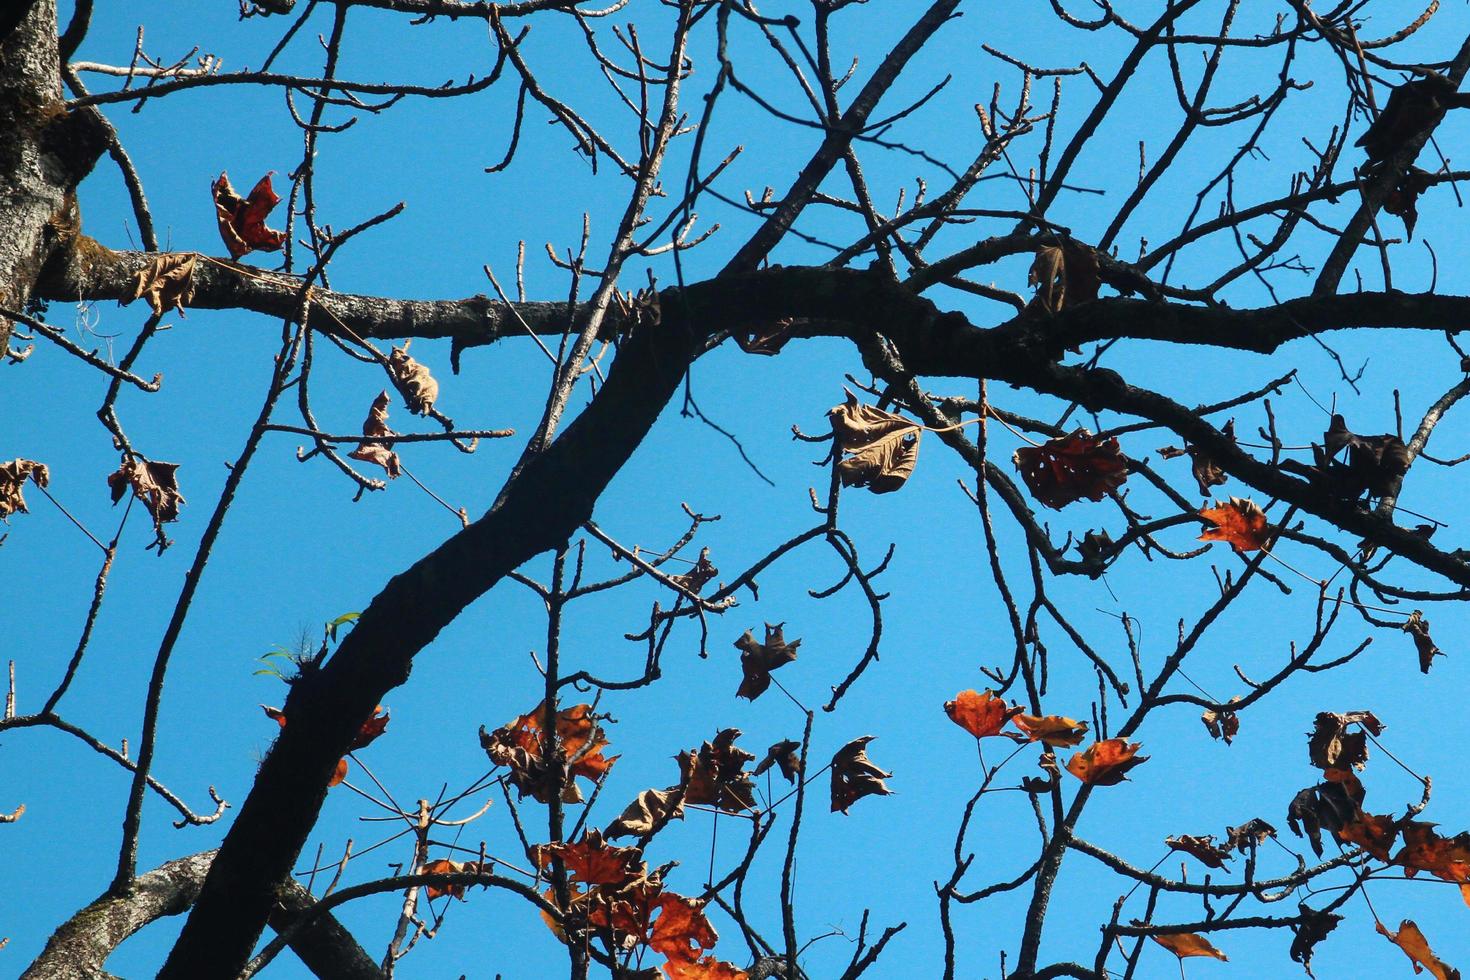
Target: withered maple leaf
(714,774)
(1447,858)
(167,281)
(854,775)
(379,450)
(1373,833)
(698,576)
(1240,522)
(649,812)
(156,484)
(1251,833)
(1330,805)
(1210,854)
(765,338)
(757,660)
(1183,944)
(1106,763)
(1054,730)
(1416,948)
(704,968)
(242,220)
(446,866)
(1064,275)
(982,715)
(1413,107)
(682,932)
(369,731)
(13,476)
(1418,627)
(414,382)
(592,861)
(1374,465)
(784,755)
(521,743)
(1331,746)
(1072,467)
(1313,928)
(881,448)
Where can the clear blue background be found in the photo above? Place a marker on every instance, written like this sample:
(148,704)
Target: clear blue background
(296,551)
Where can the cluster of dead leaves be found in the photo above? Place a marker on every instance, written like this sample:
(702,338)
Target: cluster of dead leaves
(1072,467)
(876,449)
(1238,840)
(712,775)
(541,765)
(156,485)
(1222,723)
(380,449)
(367,733)
(1104,763)
(1347,465)
(13,476)
(242,219)
(612,894)
(698,576)
(757,660)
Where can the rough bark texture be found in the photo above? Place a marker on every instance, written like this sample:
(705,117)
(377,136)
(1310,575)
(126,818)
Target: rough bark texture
(44,152)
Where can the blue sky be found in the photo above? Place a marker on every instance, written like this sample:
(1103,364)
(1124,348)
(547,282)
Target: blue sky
(297,551)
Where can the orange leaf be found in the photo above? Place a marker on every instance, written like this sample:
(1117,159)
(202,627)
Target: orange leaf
(1053,730)
(1447,858)
(682,931)
(593,862)
(982,715)
(1072,467)
(339,774)
(1239,522)
(1105,763)
(1183,944)
(277,714)
(1209,853)
(1374,834)
(520,745)
(705,968)
(242,220)
(370,729)
(442,866)
(1416,948)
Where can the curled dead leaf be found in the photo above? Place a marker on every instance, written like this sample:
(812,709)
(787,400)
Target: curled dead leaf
(757,660)
(1106,763)
(1073,467)
(854,775)
(1313,928)
(881,448)
(650,810)
(1416,948)
(698,576)
(1332,746)
(1210,854)
(13,476)
(520,745)
(786,756)
(1064,275)
(1418,627)
(414,382)
(156,484)
(714,775)
(242,220)
(379,451)
(166,281)
(1054,730)
(1183,944)
(1223,723)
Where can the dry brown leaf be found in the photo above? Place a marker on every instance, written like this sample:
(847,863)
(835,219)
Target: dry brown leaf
(1183,944)
(784,755)
(1373,833)
(154,483)
(592,861)
(1064,276)
(1332,746)
(1418,627)
(682,932)
(519,745)
(338,774)
(1314,927)
(167,281)
(1053,730)
(413,381)
(1416,948)
(13,476)
(379,452)
(1210,854)
(442,866)
(1240,522)
(1106,763)
(854,775)
(765,338)
(881,447)
(698,576)
(649,811)
(242,220)
(982,715)
(1072,467)
(1253,831)
(1447,858)
(757,660)
(714,775)
(1207,473)
(1223,723)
